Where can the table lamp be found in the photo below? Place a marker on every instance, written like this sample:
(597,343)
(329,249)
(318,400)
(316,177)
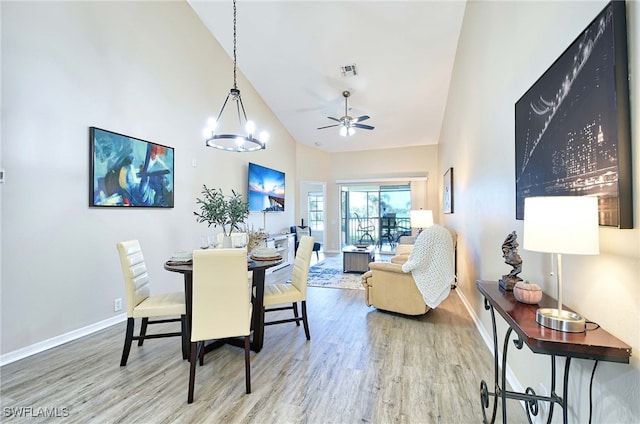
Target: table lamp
(420,219)
(561,225)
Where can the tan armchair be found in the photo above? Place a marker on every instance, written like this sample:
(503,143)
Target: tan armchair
(402,253)
(389,288)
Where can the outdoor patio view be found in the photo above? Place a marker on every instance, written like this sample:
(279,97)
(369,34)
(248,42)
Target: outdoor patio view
(375,214)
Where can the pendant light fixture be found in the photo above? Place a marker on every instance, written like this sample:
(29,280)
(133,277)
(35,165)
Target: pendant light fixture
(244,140)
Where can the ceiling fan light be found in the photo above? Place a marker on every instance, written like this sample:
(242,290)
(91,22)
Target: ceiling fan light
(351,131)
(343,131)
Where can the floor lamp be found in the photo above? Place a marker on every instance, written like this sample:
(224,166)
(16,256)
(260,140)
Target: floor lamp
(561,225)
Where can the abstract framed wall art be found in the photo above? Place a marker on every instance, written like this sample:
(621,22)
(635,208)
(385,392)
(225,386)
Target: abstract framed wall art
(573,126)
(447,191)
(129,172)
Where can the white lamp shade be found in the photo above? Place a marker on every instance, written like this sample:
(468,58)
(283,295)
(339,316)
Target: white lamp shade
(561,224)
(421,218)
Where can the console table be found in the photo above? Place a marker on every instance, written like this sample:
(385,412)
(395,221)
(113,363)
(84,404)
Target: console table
(594,344)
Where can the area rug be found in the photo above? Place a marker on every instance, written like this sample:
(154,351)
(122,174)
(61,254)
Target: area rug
(328,273)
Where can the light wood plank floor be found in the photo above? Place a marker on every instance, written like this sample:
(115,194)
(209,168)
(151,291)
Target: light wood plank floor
(361,366)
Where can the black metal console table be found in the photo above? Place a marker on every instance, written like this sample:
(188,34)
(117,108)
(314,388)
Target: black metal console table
(520,317)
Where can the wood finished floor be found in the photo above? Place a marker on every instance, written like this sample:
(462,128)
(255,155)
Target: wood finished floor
(361,366)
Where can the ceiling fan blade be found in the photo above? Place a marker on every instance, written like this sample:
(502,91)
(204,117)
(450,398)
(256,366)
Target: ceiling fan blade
(361,118)
(328,126)
(363,126)
(333,119)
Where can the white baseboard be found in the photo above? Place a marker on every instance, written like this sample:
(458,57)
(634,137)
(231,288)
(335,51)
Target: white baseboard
(513,381)
(16,355)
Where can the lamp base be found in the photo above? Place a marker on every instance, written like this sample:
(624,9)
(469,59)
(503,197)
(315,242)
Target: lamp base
(561,320)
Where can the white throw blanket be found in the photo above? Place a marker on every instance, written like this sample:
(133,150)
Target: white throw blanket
(431,264)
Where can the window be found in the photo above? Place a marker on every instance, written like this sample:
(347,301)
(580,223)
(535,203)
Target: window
(316,211)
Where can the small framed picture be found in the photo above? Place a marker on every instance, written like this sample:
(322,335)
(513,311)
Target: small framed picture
(447,191)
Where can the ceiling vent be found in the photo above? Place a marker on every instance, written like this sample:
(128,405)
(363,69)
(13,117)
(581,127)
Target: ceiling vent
(349,70)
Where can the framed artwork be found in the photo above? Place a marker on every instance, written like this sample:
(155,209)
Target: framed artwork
(129,172)
(573,126)
(447,191)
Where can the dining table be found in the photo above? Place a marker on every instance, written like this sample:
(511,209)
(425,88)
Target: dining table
(257,317)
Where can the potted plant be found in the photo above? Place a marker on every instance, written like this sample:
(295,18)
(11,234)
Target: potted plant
(226,211)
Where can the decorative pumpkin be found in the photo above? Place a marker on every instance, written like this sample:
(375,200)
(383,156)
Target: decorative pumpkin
(527,292)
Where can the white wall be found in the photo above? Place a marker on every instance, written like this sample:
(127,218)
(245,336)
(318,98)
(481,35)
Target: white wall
(503,48)
(145,69)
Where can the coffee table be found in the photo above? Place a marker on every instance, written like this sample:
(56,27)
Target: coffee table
(356,259)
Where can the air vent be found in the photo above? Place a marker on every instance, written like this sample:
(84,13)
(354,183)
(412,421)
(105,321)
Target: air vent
(349,70)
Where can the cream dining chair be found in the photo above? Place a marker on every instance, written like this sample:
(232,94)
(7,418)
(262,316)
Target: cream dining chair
(142,304)
(221,305)
(278,294)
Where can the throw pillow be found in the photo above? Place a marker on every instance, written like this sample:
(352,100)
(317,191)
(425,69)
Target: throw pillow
(302,231)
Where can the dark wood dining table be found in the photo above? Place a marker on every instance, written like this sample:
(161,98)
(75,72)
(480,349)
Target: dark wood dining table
(257,300)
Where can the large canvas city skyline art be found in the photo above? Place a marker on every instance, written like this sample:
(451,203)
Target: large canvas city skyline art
(573,125)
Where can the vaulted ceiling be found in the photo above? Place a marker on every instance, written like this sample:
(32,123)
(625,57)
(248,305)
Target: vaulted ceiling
(292,53)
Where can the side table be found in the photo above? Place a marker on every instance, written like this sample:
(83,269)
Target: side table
(594,344)
(356,259)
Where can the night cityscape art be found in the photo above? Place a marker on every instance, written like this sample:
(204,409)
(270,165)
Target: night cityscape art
(573,125)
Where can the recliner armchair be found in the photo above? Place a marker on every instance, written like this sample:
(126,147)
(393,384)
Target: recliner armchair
(389,288)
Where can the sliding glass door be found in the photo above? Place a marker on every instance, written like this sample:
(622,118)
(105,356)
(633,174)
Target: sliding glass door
(374,214)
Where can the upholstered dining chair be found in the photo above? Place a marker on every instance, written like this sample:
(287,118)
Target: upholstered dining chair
(142,304)
(283,293)
(221,304)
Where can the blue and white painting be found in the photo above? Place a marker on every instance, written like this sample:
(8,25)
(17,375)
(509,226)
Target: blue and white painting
(127,171)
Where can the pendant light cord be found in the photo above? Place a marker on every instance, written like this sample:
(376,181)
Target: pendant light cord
(235,86)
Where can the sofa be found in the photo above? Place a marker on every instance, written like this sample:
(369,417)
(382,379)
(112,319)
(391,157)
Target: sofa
(389,288)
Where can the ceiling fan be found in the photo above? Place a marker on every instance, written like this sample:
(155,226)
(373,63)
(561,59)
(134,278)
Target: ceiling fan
(347,123)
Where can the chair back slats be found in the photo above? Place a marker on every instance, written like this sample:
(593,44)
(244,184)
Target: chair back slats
(300,272)
(134,270)
(221,296)
(137,270)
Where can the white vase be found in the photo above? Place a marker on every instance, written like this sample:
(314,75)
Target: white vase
(227,242)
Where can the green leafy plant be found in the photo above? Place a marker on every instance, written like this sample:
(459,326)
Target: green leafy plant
(218,209)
